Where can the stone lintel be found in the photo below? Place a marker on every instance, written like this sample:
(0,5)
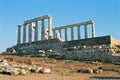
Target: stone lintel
(37,19)
(75,25)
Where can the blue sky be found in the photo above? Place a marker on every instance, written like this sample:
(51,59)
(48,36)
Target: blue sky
(105,13)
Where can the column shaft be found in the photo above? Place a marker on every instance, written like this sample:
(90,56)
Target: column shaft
(30,33)
(78,30)
(19,34)
(24,33)
(93,30)
(66,36)
(42,30)
(86,34)
(72,34)
(54,33)
(50,28)
(60,32)
(36,31)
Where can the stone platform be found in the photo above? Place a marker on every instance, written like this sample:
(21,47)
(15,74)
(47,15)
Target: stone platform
(104,48)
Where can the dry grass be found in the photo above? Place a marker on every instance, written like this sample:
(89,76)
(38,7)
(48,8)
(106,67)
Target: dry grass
(63,67)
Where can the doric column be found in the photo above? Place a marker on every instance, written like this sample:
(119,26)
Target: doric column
(42,30)
(24,33)
(78,31)
(54,33)
(93,30)
(36,31)
(19,34)
(30,33)
(85,30)
(72,34)
(50,28)
(60,32)
(66,36)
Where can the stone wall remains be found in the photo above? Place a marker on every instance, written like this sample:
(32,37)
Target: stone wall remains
(97,49)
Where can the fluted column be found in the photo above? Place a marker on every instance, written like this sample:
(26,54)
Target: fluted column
(19,34)
(36,31)
(54,33)
(60,32)
(30,33)
(42,30)
(24,33)
(78,31)
(50,28)
(86,34)
(66,36)
(72,34)
(93,30)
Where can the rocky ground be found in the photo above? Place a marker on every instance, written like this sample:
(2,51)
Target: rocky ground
(28,68)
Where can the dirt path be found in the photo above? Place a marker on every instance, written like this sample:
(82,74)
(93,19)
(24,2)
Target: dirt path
(45,77)
(60,77)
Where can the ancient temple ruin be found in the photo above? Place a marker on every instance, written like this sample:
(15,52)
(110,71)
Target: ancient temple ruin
(105,48)
(51,30)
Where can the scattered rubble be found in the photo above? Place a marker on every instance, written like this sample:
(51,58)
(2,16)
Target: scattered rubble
(91,71)
(45,70)
(15,69)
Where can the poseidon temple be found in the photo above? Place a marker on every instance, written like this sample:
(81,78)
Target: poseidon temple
(37,37)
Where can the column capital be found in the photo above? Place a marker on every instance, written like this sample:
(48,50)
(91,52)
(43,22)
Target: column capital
(85,25)
(49,17)
(92,22)
(19,25)
(78,25)
(42,19)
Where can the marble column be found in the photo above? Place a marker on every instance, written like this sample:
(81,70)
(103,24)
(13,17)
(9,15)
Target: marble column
(78,31)
(50,28)
(36,31)
(93,30)
(19,34)
(30,33)
(42,30)
(24,33)
(66,36)
(54,33)
(60,32)
(72,34)
(85,30)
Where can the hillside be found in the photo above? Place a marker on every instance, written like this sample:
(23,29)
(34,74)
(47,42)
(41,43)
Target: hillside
(65,67)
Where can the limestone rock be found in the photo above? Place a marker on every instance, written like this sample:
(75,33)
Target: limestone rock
(3,63)
(11,71)
(22,71)
(45,70)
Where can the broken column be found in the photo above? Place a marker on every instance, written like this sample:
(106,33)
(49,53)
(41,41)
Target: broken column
(19,34)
